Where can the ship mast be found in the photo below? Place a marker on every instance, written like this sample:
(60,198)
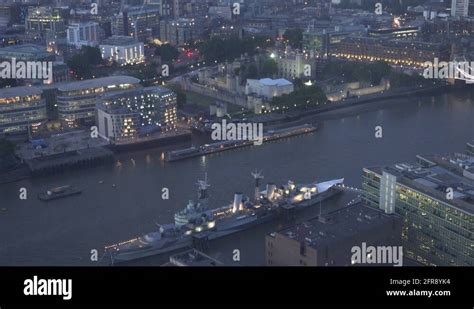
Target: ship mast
(257,176)
(203,185)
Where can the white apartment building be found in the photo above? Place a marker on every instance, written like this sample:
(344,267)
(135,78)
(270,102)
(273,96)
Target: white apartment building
(83,34)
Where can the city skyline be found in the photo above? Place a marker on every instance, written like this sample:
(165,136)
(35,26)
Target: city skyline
(145,98)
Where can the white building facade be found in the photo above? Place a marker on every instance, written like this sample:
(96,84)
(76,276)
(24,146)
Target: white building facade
(83,34)
(459,8)
(123,50)
(268,87)
(116,123)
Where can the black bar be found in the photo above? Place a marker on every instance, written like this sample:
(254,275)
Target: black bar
(240,285)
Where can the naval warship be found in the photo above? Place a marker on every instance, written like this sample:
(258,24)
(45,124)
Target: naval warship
(197,219)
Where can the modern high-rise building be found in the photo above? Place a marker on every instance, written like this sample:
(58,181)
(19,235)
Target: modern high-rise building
(21,109)
(459,8)
(77,100)
(83,34)
(156,107)
(435,198)
(136,22)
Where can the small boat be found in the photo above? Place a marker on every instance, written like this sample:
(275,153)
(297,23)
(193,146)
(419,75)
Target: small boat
(59,192)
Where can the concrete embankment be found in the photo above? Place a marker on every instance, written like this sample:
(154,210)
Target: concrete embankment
(71,159)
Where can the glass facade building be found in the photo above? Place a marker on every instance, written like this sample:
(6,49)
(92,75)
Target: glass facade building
(21,108)
(438,228)
(156,106)
(77,100)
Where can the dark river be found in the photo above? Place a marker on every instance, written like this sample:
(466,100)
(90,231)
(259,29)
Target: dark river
(64,232)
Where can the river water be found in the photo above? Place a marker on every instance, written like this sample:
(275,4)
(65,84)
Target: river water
(128,202)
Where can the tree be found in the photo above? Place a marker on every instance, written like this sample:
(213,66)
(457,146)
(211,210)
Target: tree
(269,68)
(298,83)
(180,97)
(249,72)
(167,52)
(217,49)
(83,63)
(294,38)
(303,97)
(357,71)
(7,148)
(92,55)
(80,67)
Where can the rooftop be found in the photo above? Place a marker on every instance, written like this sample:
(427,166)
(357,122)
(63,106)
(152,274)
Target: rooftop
(141,90)
(99,82)
(433,175)
(25,48)
(275,82)
(119,40)
(19,92)
(340,224)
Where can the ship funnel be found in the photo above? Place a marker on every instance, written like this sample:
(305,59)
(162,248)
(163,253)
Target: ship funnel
(257,176)
(271,191)
(237,205)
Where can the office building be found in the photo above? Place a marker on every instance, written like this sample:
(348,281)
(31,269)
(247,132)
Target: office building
(123,50)
(6,10)
(26,52)
(179,32)
(328,241)
(459,8)
(77,100)
(40,59)
(83,34)
(21,109)
(435,198)
(321,42)
(137,22)
(116,123)
(156,107)
(453,28)
(165,7)
(44,20)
